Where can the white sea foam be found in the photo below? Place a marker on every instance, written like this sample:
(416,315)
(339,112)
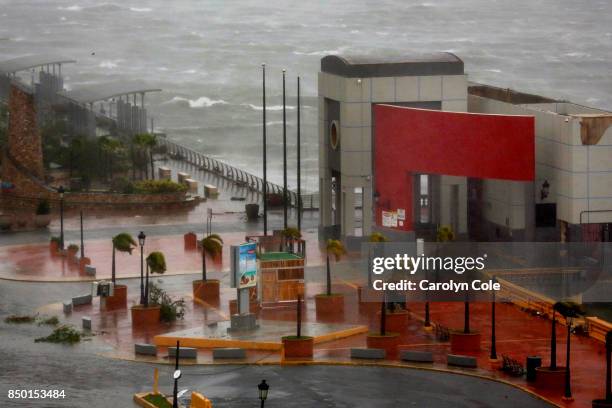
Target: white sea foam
(71,8)
(141,10)
(108,64)
(201,102)
(270,108)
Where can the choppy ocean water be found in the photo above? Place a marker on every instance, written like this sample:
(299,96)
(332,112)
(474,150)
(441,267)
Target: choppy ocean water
(206,55)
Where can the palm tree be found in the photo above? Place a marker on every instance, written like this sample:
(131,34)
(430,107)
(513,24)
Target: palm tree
(211,245)
(148,142)
(569,310)
(110,147)
(122,242)
(375,238)
(156,262)
(335,248)
(290,235)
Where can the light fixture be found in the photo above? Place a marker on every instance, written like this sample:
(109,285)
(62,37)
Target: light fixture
(263,391)
(61,191)
(545,190)
(141,238)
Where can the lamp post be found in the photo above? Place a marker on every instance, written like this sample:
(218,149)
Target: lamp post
(177,374)
(141,241)
(263,392)
(284,155)
(493,355)
(61,191)
(568,387)
(299,162)
(82,238)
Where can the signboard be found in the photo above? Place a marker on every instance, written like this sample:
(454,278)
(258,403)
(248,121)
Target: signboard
(389,219)
(401,214)
(246,271)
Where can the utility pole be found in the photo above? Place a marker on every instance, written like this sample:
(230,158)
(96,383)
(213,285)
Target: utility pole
(284,155)
(265,156)
(299,162)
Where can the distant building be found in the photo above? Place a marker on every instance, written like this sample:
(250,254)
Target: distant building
(408,145)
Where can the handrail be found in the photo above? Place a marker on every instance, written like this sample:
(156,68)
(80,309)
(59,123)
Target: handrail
(225,170)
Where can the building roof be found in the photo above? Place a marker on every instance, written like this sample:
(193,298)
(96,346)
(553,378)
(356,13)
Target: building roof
(102,92)
(443,63)
(31,61)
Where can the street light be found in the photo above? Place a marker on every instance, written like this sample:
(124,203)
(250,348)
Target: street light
(141,241)
(568,388)
(263,391)
(61,191)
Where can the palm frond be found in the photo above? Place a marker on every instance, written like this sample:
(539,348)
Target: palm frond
(156,262)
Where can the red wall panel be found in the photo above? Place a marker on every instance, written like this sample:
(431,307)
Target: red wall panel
(410,140)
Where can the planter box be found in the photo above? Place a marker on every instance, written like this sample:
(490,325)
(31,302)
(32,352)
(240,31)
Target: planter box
(253,307)
(117,301)
(388,342)
(397,321)
(145,316)
(207,291)
(53,247)
(83,262)
(329,306)
(42,220)
(550,379)
(465,342)
(298,347)
(191,241)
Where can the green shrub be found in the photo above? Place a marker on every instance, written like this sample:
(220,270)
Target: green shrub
(122,185)
(18,319)
(158,187)
(63,334)
(49,321)
(158,400)
(43,207)
(73,247)
(170,309)
(57,240)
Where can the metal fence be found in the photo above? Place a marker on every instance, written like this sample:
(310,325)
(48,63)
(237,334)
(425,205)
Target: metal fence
(234,174)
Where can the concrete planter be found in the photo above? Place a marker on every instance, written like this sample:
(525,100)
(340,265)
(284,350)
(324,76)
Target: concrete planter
(83,262)
(145,316)
(389,342)
(602,403)
(117,301)
(72,252)
(207,291)
(42,220)
(53,247)
(397,321)
(550,379)
(190,241)
(465,342)
(254,306)
(298,347)
(329,305)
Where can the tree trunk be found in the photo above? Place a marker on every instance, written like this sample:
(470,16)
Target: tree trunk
(299,316)
(146,295)
(383,317)
(203,264)
(152,166)
(113,266)
(328,277)
(553,342)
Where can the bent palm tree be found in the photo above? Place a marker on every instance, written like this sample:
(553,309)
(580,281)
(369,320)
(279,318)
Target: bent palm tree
(212,245)
(156,262)
(375,238)
(335,248)
(122,242)
(290,235)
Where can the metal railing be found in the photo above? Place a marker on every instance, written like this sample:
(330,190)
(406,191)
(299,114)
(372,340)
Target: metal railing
(234,174)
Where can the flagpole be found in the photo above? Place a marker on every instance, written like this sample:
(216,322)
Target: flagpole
(265,158)
(284,155)
(299,162)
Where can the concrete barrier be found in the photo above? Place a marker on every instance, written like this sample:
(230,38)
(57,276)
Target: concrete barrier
(86,323)
(81,300)
(368,353)
(185,352)
(90,270)
(461,361)
(229,353)
(416,356)
(145,349)
(68,307)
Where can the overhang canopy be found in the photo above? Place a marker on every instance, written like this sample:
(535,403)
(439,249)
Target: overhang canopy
(443,63)
(32,61)
(102,92)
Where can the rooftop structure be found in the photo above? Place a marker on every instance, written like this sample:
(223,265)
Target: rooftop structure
(24,63)
(102,92)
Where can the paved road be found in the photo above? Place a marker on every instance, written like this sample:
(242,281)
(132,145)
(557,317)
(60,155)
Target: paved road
(95,381)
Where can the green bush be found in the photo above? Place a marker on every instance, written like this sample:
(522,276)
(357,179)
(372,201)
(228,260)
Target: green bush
(159,186)
(57,240)
(18,319)
(170,309)
(43,207)
(49,321)
(122,185)
(63,334)
(158,400)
